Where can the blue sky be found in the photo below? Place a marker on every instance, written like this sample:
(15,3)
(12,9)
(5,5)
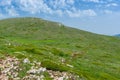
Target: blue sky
(98,16)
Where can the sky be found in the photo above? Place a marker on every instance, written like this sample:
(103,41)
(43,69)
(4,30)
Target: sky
(97,16)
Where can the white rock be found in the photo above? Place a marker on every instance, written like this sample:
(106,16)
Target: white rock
(33,71)
(41,70)
(42,76)
(17,78)
(61,78)
(69,65)
(26,60)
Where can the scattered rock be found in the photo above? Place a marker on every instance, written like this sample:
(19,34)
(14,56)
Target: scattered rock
(61,78)
(26,60)
(57,75)
(9,70)
(33,77)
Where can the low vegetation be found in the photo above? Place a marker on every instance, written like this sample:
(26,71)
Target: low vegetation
(60,48)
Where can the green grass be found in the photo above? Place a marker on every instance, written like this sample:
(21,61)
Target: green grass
(94,57)
(50,65)
(25,68)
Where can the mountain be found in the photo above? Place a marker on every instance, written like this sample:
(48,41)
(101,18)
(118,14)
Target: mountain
(49,50)
(118,35)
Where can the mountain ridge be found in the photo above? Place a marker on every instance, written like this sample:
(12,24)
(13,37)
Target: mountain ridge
(117,35)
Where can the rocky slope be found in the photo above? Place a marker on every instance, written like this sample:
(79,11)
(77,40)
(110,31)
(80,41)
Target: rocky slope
(10,68)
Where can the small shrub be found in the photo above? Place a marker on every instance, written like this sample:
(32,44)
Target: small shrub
(78,46)
(58,52)
(54,66)
(34,50)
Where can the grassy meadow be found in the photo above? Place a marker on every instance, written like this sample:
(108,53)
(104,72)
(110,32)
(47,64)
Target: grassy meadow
(92,56)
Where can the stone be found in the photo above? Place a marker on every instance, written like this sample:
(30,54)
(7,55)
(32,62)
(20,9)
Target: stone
(26,60)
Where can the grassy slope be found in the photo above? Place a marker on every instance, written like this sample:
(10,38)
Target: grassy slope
(97,56)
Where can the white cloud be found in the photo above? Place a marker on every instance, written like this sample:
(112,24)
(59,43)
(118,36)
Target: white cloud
(34,6)
(95,1)
(73,14)
(57,4)
(38,6)
(8,8)
(112,5)
(61,4)
(108,11)
(52,7)
(70,1)
(5,2)
(89,12)
(81,13)
(59,12)
(11,11)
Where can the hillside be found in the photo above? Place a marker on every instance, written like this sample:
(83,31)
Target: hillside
(59,50)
